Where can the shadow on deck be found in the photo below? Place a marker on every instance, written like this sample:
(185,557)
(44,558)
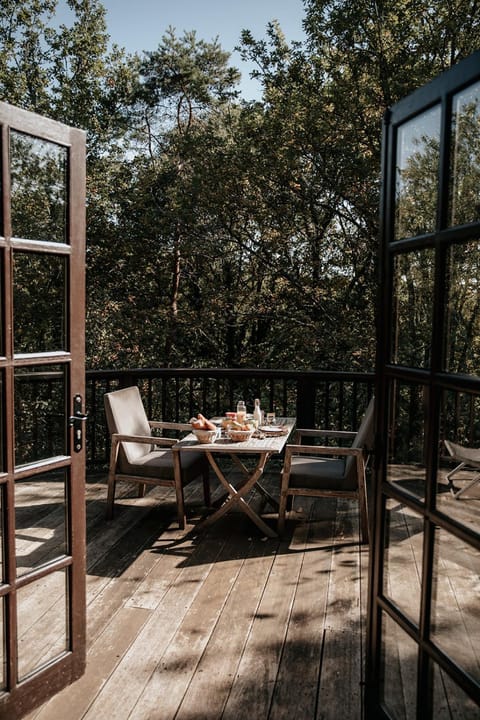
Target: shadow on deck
(223,624)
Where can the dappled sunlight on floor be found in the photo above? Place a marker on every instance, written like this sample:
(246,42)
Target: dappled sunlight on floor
(221,624)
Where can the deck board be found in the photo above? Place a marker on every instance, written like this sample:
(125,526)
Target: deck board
(211,685)
(340,680)
(252,691)
(304,642)
(224,624)
(176,667)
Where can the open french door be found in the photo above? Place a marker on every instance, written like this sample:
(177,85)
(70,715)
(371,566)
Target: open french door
(423,654)
(42,458)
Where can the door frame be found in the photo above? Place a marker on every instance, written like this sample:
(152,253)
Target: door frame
(18,697)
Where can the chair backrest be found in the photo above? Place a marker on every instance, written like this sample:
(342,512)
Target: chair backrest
(364,437)
(126,415)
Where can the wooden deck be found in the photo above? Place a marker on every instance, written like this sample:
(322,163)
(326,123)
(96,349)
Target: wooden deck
(222,625)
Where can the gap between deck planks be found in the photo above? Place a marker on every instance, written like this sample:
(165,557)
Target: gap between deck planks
(225,625)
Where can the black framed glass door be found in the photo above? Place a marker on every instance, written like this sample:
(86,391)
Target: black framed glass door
(423,652)
(42,463)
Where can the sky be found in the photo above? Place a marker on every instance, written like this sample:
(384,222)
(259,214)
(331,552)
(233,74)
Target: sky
(138,25)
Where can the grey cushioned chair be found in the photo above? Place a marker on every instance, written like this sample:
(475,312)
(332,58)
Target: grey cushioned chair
(327,470)
(138,456)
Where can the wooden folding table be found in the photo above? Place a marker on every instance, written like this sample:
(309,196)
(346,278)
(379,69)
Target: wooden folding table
(262,445)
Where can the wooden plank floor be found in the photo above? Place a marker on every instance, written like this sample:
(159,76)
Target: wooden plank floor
(226,624)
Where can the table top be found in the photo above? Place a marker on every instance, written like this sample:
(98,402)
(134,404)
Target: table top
(266,444)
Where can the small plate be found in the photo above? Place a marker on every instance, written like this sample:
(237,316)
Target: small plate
(271,428)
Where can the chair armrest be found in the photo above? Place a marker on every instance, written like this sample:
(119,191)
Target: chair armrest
(161,425)
(145,439)
(338,434)
(321,450)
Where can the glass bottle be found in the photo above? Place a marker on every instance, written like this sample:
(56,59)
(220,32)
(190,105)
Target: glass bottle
(257,413)
(241,411)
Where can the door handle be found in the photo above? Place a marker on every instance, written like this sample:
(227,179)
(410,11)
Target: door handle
(76,421)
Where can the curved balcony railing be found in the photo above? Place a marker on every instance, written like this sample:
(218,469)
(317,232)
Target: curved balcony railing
(316,398)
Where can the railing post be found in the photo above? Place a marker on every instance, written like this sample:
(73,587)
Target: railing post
(306,396)
(127,380)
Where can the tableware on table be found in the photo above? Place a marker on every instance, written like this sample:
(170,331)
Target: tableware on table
(257,413)
(272,430)
(270,418)
(202,423)
(205,436)
(241,411)
(239,435)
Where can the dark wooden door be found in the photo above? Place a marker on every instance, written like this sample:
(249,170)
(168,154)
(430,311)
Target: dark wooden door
(42,457)
(424,612)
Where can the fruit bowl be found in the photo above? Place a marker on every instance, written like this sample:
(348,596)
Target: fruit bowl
(205,437)
(240,435)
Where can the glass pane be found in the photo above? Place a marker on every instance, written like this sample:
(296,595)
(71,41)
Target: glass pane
(2,423)
(465,194)
(463,310)
(39,287)
(413,278)
(42,622)
(3,681)
(39,188)
(449,700)
(403,558)
(406,438)
(2,534)
(455,621)
(416,176)
(399,671)
(40,417)
(458,487)
(40,520)
(2,275)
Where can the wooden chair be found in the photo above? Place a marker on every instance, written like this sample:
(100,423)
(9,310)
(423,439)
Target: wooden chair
(140,457)
(328,471)
(466,458)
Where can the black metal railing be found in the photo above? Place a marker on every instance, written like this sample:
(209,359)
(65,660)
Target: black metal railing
(320,398)
(326,399)
(316,398)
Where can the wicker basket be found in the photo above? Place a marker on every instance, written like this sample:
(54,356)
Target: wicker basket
(240,435)
(205,437)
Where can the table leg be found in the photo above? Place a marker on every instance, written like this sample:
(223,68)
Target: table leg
(269,498)
(258,486)
(236,495)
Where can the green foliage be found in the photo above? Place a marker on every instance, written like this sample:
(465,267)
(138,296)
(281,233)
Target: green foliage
(226,233)
(192,73)
(66,73)
(24,60)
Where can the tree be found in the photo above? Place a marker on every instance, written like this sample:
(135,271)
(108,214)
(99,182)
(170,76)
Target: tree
(24,56)
(327,270)
(184,86)
(90,86)
(229,233)
(66,73)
